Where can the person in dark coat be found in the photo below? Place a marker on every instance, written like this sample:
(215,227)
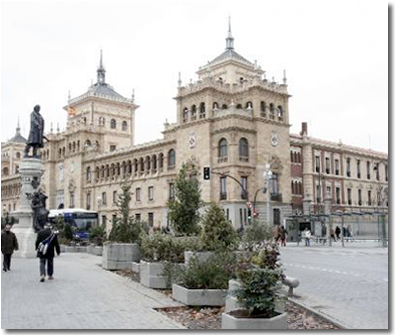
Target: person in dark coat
(9,243)
(47,259)
(36,135)
(337,231)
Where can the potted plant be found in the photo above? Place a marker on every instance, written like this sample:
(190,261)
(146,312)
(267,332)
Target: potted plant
(122,247)
(217,235)
(204,283)
(97,237)
(259,277)
(157,252)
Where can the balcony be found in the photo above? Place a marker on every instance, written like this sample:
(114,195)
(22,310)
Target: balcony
(276,197)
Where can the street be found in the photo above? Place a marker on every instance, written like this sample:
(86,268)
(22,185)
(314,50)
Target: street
(348,284)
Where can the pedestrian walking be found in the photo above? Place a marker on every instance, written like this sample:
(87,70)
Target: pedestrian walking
(323,233)
(9,243)
(283,234)
(333,235)
(307,237)
(338,231)
(46,260)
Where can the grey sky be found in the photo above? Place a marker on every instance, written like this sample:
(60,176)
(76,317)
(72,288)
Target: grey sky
(335,54)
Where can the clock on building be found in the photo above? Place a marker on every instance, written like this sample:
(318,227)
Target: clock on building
(274,138)
(192,140)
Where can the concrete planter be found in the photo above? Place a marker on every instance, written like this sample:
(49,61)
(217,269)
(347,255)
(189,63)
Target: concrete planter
(97,251)
(136,267)
(201,256)
(237,321)
(151,275)
(89,248)
(74,248)
(192,297)
(120,256)
(231,303)
(62,248)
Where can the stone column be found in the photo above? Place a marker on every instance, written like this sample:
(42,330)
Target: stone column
(31,170)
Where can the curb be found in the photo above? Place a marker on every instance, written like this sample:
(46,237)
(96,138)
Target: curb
(320,314)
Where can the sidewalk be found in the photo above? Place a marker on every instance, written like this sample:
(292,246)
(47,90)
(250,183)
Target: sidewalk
(82,296)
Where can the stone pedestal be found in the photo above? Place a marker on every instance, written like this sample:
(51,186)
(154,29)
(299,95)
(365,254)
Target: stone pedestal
(31,170)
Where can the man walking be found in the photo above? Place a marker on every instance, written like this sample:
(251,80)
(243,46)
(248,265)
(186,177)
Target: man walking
(9,243)
(46,260)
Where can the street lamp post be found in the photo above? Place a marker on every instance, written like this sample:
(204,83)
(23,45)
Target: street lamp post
(268,175)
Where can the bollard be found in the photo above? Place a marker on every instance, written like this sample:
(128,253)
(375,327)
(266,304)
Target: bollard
(291,283)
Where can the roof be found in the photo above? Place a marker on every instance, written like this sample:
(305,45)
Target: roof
(230,54)
(104,88)
(18,138)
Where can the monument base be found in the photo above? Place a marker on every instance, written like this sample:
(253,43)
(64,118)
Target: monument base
(25,235)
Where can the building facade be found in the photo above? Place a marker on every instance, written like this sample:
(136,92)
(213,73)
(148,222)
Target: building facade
(231,119)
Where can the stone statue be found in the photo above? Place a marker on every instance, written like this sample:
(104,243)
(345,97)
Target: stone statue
(36,135)
(40,213)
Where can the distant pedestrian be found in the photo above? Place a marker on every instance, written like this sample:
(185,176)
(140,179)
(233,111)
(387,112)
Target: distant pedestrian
(46,261)
(9,243)
(307,237)
(283,235)
(323,233)
(337,231)
(333,235)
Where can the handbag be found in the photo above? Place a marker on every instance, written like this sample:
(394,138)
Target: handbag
(43,245)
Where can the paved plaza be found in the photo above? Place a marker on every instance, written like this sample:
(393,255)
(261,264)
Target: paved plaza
(82,296)
(349,285)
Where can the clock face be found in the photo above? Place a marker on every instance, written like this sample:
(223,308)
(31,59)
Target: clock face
(274,139)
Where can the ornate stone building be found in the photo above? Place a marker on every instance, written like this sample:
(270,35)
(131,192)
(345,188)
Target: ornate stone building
(232,119)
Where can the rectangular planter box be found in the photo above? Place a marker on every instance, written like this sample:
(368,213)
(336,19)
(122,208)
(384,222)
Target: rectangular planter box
(151,275)
(193,297)
(136,267)
(201,256)
(97,251)
(120,256)
(89,248)
(74,248)
(276,322)
(231,302)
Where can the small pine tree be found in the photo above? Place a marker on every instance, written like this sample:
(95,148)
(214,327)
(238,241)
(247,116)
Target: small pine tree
(184,209)
(124,229)
(218,233)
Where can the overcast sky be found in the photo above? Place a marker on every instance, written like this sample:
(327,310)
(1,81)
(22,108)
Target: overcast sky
(335,54)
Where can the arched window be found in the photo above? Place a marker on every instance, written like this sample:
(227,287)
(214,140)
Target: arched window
(78,145)
(224,106)
(136,165)
(280,113)
(171,159)
(160,161)
(74,146)
(193,112)
(60,153)
(239,106)
(243,150)
(263,108)
(292,187)
(222,150)
(64,151)
(185,115)
(88,174)
(141,165)
(118,169)
(69,147)
(101,121)
(102,171)
(18,155)
(299,158)
(124,126)
(148,163)
(271,107)
(97,172)
(87,143)
(249,105)
(154,163)
(215,105)
(16,168)
(113,124)
(202,111)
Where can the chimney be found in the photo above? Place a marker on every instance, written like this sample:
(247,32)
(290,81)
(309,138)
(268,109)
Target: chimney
(304,129)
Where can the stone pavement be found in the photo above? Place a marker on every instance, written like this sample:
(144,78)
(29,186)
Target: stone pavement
(348,285)
(82,296)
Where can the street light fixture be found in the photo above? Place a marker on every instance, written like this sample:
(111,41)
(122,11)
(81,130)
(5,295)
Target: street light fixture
(267,174)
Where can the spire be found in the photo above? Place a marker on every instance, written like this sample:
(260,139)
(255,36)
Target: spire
(18,128)
(179,79)
(229,39)
(285,78)
(101,72)
(132,96)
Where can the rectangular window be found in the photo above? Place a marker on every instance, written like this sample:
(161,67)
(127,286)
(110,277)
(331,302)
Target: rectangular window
(358,168)
(104,220)
(276,216)
(337,167)
(114,197)
(71,199)
(327,165)
(377,168)
(370,198)
(151,219)
(348,167)
(223,188)
(138,217)
(338,198)
(317,164)
(150,193)
(244,191)
(274,182)
(360,197)
(88,201)
(349,196)
(104,198)
(171,191)
(113,148)
(368,170)
(318,193)
(138,194)
(328,192)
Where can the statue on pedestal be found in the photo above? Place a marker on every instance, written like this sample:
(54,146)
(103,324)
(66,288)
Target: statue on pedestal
(40,213)
(36,135)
